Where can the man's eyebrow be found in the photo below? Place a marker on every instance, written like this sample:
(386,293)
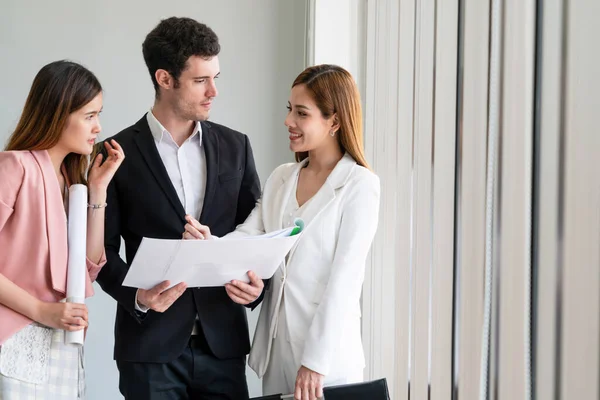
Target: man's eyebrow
(206,76)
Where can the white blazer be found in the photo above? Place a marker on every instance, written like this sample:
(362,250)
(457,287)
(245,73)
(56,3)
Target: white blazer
(322,280)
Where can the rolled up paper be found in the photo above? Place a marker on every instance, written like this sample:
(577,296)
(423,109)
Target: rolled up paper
(76,267)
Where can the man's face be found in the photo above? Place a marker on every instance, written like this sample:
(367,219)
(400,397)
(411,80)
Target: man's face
(192,98)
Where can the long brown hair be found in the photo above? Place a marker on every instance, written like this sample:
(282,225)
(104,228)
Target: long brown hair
(334,91)
(59,89)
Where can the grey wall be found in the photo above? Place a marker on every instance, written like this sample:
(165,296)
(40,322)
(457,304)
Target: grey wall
(262,52)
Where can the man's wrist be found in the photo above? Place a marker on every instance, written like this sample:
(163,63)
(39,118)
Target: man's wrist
(139,306)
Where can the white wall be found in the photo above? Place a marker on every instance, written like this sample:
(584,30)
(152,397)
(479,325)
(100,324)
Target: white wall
(339,35)
(262,52)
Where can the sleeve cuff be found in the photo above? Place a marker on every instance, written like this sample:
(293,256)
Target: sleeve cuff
(315,366)
(138,306)
(94,268)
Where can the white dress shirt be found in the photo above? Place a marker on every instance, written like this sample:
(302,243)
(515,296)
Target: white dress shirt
(186,167)
(185,164)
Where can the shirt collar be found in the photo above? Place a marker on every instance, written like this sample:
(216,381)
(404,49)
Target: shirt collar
(158,130)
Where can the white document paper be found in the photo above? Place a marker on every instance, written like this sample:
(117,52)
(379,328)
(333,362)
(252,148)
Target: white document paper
(206,263)
(285,232)
(76,267)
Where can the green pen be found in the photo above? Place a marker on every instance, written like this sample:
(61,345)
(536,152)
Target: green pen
(298,228)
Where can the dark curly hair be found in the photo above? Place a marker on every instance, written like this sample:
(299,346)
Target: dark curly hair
(169,45)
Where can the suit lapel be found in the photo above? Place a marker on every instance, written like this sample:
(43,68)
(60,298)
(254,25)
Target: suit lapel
(326,194)
(56,222)
(282,196)
(210,142)
(314,208)
(145,142)
(318,203)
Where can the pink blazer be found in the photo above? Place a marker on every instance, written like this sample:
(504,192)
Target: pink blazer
(33,233)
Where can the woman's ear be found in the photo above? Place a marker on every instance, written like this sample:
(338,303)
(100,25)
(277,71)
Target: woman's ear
(335,124)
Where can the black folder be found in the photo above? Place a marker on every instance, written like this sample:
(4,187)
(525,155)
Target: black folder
(373,390)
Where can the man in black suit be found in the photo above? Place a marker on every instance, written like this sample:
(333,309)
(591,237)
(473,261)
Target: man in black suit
(179,342)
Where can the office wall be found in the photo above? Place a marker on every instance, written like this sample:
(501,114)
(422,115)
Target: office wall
(262,52)
(340,35)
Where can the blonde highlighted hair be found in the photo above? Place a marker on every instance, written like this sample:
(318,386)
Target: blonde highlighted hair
(334,91)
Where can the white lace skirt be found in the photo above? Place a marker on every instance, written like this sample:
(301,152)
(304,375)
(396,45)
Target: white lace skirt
(35,363)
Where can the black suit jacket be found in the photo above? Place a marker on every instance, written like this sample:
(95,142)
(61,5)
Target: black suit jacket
(142,202)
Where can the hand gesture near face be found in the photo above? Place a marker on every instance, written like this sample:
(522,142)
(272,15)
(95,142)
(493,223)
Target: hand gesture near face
(101,175)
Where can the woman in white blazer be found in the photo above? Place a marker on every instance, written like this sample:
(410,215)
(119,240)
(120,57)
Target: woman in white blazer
(308,332)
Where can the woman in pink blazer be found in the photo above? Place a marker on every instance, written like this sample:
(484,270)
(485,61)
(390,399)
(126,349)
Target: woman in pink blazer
(47,152)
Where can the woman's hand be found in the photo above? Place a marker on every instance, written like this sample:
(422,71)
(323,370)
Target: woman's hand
(67,316)
(194,230)
(309,385)
(100,175)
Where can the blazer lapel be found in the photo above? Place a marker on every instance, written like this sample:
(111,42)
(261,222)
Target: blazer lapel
(318,203)
(210,142)
(314,208)
(282,196)
(56,222)
(147,146)
(326,194)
